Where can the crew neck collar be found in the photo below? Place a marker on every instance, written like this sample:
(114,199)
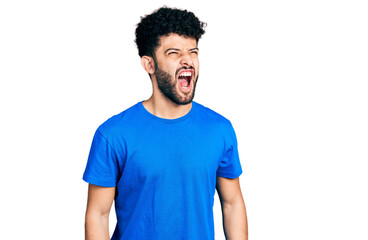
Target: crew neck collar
(166,120)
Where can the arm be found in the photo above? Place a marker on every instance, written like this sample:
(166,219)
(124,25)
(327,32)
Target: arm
(233,208)
(97,214)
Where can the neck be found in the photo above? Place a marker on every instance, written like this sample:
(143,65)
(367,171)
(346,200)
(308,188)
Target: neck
(165,108)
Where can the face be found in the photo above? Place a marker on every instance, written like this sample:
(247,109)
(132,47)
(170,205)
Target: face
(176,68)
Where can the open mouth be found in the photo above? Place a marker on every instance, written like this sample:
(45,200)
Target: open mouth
(185,79)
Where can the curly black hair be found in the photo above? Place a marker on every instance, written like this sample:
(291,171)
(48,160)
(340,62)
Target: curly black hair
(162,22)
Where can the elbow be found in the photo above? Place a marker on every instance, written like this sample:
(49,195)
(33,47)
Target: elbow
(235,202)
(93,217)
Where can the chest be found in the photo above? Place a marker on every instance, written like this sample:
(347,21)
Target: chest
(155,155)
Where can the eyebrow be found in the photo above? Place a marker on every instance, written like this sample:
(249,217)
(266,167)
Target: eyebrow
(176,49)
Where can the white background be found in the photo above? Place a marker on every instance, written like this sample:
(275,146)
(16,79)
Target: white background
(290,75)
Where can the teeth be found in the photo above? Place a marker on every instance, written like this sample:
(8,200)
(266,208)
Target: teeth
(186,74)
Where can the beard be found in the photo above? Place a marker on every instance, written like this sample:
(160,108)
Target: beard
(167,87)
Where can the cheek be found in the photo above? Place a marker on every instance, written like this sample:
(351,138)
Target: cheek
(196,67)
(196,62)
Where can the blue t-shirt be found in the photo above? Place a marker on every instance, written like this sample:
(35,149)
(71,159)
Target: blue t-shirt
(164,171)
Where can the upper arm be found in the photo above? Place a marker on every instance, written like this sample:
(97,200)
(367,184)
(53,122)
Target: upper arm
(228,189)
(100,199)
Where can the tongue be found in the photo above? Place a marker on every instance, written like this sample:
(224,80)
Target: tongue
(183,82)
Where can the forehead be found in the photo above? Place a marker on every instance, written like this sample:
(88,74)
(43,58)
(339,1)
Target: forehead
(176,41)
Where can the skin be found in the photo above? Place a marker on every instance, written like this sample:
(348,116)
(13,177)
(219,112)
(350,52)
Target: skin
(234,216)
(99,204)
(172,55)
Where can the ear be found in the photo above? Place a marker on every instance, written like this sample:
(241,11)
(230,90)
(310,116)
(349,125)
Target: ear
(148,64)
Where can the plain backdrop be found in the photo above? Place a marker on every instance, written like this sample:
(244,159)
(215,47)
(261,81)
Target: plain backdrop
(290,75)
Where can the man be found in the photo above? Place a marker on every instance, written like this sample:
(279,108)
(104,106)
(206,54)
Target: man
(162,159)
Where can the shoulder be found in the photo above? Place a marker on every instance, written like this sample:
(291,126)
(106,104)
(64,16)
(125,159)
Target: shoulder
(210,116)
(119,122)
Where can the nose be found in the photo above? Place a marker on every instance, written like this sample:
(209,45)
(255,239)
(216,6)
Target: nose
(187,60)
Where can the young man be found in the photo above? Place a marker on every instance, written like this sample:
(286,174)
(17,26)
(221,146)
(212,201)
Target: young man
(162,159)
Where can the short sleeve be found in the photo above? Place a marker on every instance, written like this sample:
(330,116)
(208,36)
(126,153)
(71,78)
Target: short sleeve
(102,166)
(230,166)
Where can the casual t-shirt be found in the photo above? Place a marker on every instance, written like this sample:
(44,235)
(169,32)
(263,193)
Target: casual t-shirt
(164,171)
